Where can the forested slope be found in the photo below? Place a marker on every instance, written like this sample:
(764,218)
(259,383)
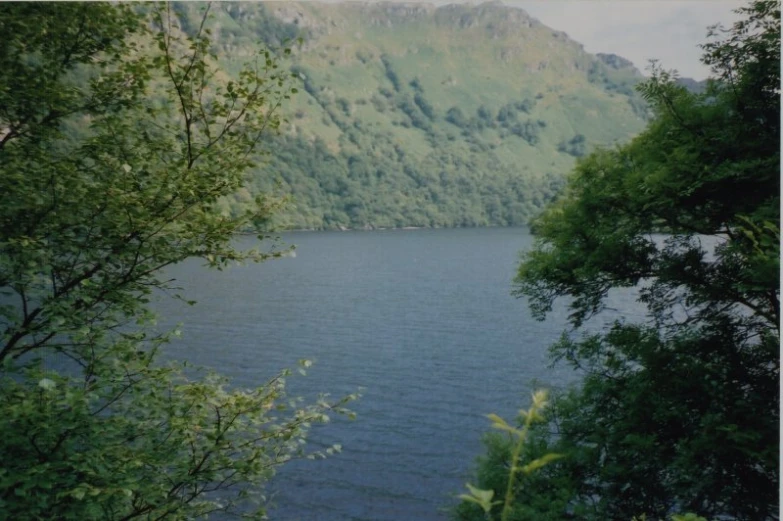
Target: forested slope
(411,115)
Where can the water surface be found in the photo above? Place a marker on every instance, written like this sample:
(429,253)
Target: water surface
(422,319)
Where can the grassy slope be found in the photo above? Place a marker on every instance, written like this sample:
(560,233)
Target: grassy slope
(369,142)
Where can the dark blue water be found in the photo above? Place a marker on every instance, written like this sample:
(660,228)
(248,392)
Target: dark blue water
(423,320)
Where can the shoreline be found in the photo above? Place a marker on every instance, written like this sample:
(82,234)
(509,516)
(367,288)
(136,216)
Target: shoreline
(368,228)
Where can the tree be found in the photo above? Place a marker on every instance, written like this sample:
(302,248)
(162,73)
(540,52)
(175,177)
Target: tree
(119,138)
(679,412)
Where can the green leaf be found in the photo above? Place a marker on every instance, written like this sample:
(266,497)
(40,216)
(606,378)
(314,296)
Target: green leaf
(46,384)
(540,462)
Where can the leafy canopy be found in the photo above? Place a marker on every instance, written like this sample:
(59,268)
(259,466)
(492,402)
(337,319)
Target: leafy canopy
(677,413)
(119,137)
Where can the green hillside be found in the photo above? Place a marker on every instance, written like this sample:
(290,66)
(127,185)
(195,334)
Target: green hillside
(411,115)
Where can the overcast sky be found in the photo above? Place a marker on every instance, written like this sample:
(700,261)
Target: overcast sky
(667,30)
(639,30)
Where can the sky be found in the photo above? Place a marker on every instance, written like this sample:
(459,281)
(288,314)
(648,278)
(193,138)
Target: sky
(639,30)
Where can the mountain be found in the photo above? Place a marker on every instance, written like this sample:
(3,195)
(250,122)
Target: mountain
(415,115)
(694,86)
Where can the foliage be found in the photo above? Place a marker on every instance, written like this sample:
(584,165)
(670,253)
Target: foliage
(119,141)
(507,453)
(575,146)
(680,411)
(140,441)
(423,151)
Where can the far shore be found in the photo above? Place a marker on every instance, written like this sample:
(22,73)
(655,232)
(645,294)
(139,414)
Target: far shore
(369,228)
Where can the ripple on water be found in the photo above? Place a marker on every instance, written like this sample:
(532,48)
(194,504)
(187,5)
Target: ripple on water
(422,319)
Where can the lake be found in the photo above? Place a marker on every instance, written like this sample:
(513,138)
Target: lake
(423,320)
